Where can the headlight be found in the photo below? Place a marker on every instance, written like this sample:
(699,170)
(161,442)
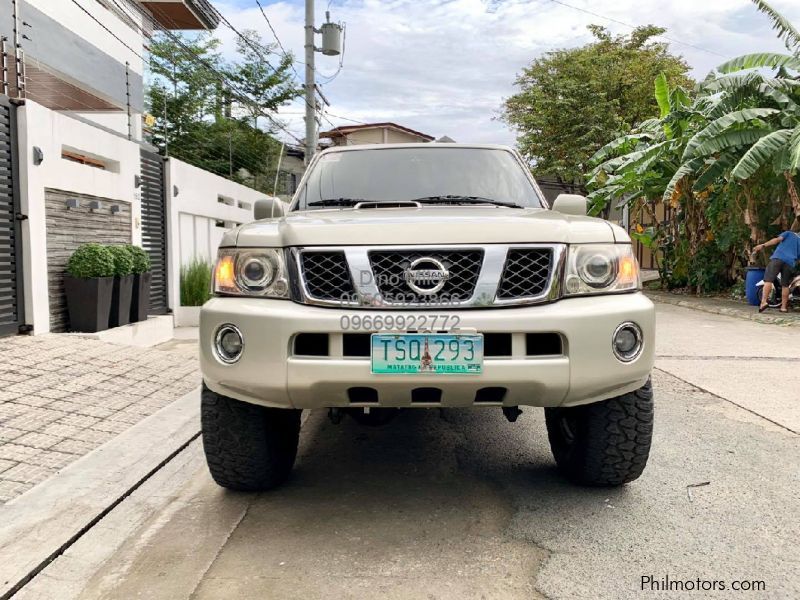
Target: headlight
(600,269)
(251,272)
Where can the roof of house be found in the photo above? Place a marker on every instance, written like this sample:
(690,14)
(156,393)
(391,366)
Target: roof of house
(343,131)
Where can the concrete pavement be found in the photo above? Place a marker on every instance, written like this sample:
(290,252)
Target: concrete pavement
(62,396)
(462,504)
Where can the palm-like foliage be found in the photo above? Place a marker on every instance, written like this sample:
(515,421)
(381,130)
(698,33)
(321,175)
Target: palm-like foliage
(739,128)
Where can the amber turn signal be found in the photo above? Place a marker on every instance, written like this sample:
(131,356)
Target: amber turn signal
(224,274)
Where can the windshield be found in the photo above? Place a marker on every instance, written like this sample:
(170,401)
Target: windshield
(436,174)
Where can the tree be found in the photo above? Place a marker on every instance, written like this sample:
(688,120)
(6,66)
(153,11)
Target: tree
(207,109)
(725,161)
(573,101)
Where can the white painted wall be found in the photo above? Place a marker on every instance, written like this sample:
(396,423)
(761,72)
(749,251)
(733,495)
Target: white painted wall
(194,213)
(116,121)
(74,19)
(51,131)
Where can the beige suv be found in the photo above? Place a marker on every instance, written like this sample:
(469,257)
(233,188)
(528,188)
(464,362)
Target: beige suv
(426,276)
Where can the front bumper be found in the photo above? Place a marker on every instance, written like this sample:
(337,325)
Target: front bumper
(269,374)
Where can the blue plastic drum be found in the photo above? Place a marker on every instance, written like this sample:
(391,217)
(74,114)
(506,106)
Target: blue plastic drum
(754,275)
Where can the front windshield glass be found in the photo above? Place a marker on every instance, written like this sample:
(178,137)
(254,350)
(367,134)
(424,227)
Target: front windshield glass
(431,173)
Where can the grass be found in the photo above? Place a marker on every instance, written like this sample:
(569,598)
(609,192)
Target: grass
(195,283)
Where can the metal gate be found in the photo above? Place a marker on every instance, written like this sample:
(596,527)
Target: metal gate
(11,301)
(154,228)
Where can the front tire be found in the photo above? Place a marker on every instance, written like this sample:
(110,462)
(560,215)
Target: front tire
(248,447)
(606,443)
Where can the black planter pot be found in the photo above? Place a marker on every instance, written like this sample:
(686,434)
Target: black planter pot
(140,300)
(88,302)
(121,301)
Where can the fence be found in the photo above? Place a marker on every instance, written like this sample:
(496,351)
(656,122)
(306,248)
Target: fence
(80,183)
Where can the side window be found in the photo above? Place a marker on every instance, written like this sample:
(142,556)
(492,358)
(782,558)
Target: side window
(291,183)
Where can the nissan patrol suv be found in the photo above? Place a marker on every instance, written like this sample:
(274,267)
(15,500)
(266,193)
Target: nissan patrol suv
(421,276)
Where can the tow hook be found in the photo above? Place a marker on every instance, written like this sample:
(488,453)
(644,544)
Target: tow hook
(335,415)
(511,413)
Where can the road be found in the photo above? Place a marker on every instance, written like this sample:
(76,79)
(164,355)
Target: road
(462,504)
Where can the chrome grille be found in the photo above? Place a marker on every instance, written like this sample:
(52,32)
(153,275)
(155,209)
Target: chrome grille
(326,275)
(389,267)
(526,273)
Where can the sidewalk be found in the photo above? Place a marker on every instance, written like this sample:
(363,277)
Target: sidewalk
(723,306)
(62,396)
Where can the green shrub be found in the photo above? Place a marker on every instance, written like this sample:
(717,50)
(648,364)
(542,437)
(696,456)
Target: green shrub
(123,261)
(141,259)
(91,260)
(195,283)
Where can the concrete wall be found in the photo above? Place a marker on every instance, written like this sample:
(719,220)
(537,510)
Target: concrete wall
(53,132)
(68,228)
(69,43)
(205,207)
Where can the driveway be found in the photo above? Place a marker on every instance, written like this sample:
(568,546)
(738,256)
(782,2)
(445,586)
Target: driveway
(462,504)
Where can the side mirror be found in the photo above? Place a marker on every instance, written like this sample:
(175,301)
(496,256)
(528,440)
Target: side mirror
(571,204)
(269,208)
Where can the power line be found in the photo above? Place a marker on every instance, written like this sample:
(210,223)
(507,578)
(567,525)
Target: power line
(177,40)
(180,42)
(623,23)
(292,61)
(347,119)
(277,39)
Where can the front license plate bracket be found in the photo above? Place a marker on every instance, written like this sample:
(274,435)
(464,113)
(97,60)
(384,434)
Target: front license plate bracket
(426,353)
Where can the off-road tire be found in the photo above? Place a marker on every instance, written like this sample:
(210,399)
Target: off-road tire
(248,447)
(606,443)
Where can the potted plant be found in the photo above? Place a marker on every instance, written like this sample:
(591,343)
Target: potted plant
(140,300)
(123,286)
(195,280)
(88,285)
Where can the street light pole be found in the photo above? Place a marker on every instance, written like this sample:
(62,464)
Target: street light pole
(311,124)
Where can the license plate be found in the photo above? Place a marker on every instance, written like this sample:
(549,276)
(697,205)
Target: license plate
(434,353)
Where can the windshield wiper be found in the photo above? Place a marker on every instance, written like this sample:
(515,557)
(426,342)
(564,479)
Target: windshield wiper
(337,202)
(453,199)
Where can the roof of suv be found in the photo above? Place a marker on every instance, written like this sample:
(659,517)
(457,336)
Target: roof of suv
(413,145)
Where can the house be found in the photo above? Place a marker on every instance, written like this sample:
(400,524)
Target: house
(375,133)
(293,163)
(74,167)
(291,170)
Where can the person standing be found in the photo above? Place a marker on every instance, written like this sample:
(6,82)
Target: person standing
(782,261)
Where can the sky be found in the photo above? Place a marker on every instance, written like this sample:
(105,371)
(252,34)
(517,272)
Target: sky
(444,67)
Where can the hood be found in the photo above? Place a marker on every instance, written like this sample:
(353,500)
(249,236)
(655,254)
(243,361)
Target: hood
(425,225)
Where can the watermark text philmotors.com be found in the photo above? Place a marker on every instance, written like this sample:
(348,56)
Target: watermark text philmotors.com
(651,583)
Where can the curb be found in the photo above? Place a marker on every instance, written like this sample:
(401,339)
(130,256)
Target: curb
(41,524)
(735,312)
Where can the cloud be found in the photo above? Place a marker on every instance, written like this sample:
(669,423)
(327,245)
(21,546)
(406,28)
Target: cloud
(445,66)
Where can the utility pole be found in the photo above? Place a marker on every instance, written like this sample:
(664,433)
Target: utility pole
(311,101)
(331,46)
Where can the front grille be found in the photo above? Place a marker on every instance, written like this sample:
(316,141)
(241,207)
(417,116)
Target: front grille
(389,267)
(526,273)
(327,276)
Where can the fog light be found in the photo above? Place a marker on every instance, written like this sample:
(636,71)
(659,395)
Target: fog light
(228,344)
(627,342)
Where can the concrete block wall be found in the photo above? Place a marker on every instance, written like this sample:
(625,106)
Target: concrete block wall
(204,207)
(68,228)
(52,133)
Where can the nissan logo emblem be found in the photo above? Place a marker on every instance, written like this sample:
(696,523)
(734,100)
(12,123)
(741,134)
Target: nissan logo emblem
(426,275)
